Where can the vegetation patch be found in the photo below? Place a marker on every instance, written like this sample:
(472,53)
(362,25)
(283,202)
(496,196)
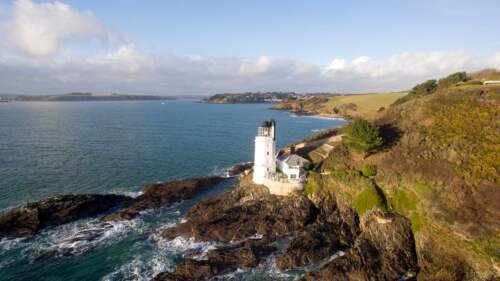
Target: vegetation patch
(416,222)
(466,124)
(338,159)
(369,170)
(403,201)
(314,183)
(363,136)
(368,199)
(430,86)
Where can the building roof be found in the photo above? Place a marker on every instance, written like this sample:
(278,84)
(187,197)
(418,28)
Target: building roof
(270,123)
(294,160)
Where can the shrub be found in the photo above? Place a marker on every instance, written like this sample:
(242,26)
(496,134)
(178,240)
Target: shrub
(452,79)
(422,89)
(368,199)
(309,166)
(363,136)
(369,170)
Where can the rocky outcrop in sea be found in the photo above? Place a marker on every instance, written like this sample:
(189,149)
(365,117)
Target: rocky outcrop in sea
(27,220)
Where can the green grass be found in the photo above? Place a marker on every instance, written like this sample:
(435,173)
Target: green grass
(314,183)
(423,189)
(368,199)
(416,222)
(403,201)
(369,170)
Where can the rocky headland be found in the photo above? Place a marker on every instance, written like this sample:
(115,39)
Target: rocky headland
(249,221)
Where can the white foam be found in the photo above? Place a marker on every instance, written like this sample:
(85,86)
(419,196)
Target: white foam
(7,244)
(146,266)
(77,238)
(318,117)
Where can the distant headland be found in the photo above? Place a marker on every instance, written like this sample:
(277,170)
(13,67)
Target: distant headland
(82,96)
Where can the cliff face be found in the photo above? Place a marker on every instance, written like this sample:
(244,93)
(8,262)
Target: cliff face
(440,169)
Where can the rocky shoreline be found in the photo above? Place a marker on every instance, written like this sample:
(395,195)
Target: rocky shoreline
(249,220)
(247,223)
(29,219)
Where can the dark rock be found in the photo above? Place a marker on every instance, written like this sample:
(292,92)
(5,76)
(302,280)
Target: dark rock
(28,220)
(164,194)
(220,261)
(243,212)
(239,168)
(315,243)
(335,229)
(385,250)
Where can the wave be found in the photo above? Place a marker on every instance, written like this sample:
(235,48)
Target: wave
(7,244)
(77,238)
(164,258)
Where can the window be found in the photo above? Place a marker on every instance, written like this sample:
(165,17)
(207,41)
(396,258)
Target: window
(292,176)
(268,153)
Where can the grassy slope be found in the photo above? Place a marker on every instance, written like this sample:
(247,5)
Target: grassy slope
(442,173)
(367,104)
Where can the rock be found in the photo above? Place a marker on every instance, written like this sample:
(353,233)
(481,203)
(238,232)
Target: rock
(220,261)
(239,168)
(335,230)
(385,250)
(164,194)
(243,212)
(27,220)
(315,243)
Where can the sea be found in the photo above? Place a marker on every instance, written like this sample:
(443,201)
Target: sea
(53,148)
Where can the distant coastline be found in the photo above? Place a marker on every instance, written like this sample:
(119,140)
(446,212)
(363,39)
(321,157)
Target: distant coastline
(83,97)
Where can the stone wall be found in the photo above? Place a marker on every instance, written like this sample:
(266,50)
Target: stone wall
(281,187)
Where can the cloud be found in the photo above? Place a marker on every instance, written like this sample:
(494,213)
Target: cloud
(40,30)
(128,70)
(38,58)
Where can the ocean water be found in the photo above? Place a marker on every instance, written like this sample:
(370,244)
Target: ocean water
(50,148)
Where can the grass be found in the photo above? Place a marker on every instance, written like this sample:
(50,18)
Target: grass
(368,199)
(403,201)
(416,222)
(367,104)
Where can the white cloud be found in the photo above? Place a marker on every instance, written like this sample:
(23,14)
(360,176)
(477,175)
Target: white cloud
(336,65)
(41,29)
(37,31)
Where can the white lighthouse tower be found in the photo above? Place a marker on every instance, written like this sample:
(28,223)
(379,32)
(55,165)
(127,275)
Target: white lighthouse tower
(265,151)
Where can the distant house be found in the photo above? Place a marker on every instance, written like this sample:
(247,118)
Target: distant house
(491,82)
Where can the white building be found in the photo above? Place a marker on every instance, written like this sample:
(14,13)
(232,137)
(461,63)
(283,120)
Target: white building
(491,82)
(292,166)
(265,151)
(291,175)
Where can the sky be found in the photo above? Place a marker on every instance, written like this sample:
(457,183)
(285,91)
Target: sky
(183,47)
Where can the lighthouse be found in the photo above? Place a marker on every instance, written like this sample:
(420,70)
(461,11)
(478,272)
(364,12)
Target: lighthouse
(265,151)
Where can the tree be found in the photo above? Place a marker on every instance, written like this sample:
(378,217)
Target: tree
(362,135)
(453,79)
(426,88)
